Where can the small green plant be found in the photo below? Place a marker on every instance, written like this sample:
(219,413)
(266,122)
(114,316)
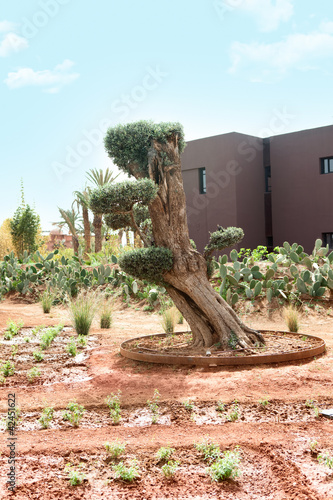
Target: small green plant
(46,417)
(121,471)
(148,308)
(169,469)
(14,351)
(32,374)
(2,379)
(38,356)
(82,311)
(164,453)
(188,404)
(304,338)
(291,318)
(153,406)
(227,466)
(26,339)
(233,414)
(169,319)
(113,402)
(326,460)
(74,413)
(106,315)
(12,329)
(49,335)
(208,449)
(8,369)
(71,347)
(82,341)
(115,449)
(75,477)
(37,329)
(309,403)
(264,402)
(47,301)
(220,406)
(313,446)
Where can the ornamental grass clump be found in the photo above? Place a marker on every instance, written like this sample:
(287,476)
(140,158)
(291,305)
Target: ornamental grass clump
(169,319)
(47,301)
(291,317)
(82,311)
(106,315)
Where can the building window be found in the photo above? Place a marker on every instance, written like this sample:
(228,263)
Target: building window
(202,180)
(328,240)
(268,185)
(326,165)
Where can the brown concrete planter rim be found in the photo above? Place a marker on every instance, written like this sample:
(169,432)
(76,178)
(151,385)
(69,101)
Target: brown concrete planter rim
(225,361)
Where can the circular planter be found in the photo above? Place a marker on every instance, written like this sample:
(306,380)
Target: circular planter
(203,360)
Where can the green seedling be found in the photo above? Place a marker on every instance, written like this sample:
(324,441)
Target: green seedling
(33,373)
(75,477)
(164,453)
(226,467)
(26,339)
(170,468)
(264,402)
(126,473)
(113,402)
(82,340)
(8,369)
(153,406)
(38,356)
(326,460)
(71,347)
(208,449)
(46,417)
(74,413)
(220,406)
(233,414)
(189,404)
(14,351)
(115,449)
(37,329)
(12,329)
(313,446)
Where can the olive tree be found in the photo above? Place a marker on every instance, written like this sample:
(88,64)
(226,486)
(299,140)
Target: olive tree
(151,154)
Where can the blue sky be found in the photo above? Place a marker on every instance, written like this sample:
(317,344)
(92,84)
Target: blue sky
(70,68)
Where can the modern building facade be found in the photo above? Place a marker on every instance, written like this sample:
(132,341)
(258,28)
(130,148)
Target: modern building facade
(276,189)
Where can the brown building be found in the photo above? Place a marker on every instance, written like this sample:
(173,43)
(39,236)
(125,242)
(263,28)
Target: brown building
(276,189)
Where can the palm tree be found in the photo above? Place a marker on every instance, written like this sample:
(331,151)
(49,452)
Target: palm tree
(99,178)
(82,200)
(71,219)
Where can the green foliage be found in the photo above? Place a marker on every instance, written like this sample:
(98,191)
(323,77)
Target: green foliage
(121,471)
(130,144)
(113,402)
(226,467)
(189,404)
(233,414)
(115,449)
(106,315)
(12,329)
(33,373)
(147,263)
(71,347)
(38,356)
(123,220)
(46,417)
(75,477)
(153,406)
(164,453)
(121,197)
(49,335)
(170,468)
(47,301)
(74,413)
(82,311)
(223,238)
(7,369)
(208,449)
(220,406)
(326,460)
(169,319)
(24,230)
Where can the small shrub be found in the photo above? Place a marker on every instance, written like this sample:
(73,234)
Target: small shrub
(75,477)
(8,369)
(113,402)
(169,320)
(264,402)
(47,301)
(46,417)
(37,329)
(12,329)
(115,449)
(291,318)
(233,415)
(82,311)
(227,466)
(208,449)
(38,356)
(82,341)
(106,315)
(49,335)
(153,406)
(326,460)
(164,453)
(71,347)
(220,406)
(74,413)
(170,469)
(189,404)
(126,473)
(33,373)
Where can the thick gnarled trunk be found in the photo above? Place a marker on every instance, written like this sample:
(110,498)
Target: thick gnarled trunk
(210,318)
(97,223)
(86,226)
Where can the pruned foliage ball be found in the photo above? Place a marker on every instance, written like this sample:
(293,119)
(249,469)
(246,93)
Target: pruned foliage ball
(119,221)
(223,238)
(147,263)
(116,198)
(129,144)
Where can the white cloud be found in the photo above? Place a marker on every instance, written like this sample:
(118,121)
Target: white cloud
(11,42)
(51,80)
(270,62)
(267,13)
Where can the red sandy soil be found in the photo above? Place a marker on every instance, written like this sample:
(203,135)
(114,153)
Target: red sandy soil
(276,462)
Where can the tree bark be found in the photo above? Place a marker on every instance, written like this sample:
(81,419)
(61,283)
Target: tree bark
(86,226)
(97,223)
(210,318)
(75,241)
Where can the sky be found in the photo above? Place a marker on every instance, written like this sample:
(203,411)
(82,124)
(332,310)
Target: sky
(70,69)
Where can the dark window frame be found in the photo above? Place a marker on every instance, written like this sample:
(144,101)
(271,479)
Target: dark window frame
(202,180)
(326,165)
(328,239)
